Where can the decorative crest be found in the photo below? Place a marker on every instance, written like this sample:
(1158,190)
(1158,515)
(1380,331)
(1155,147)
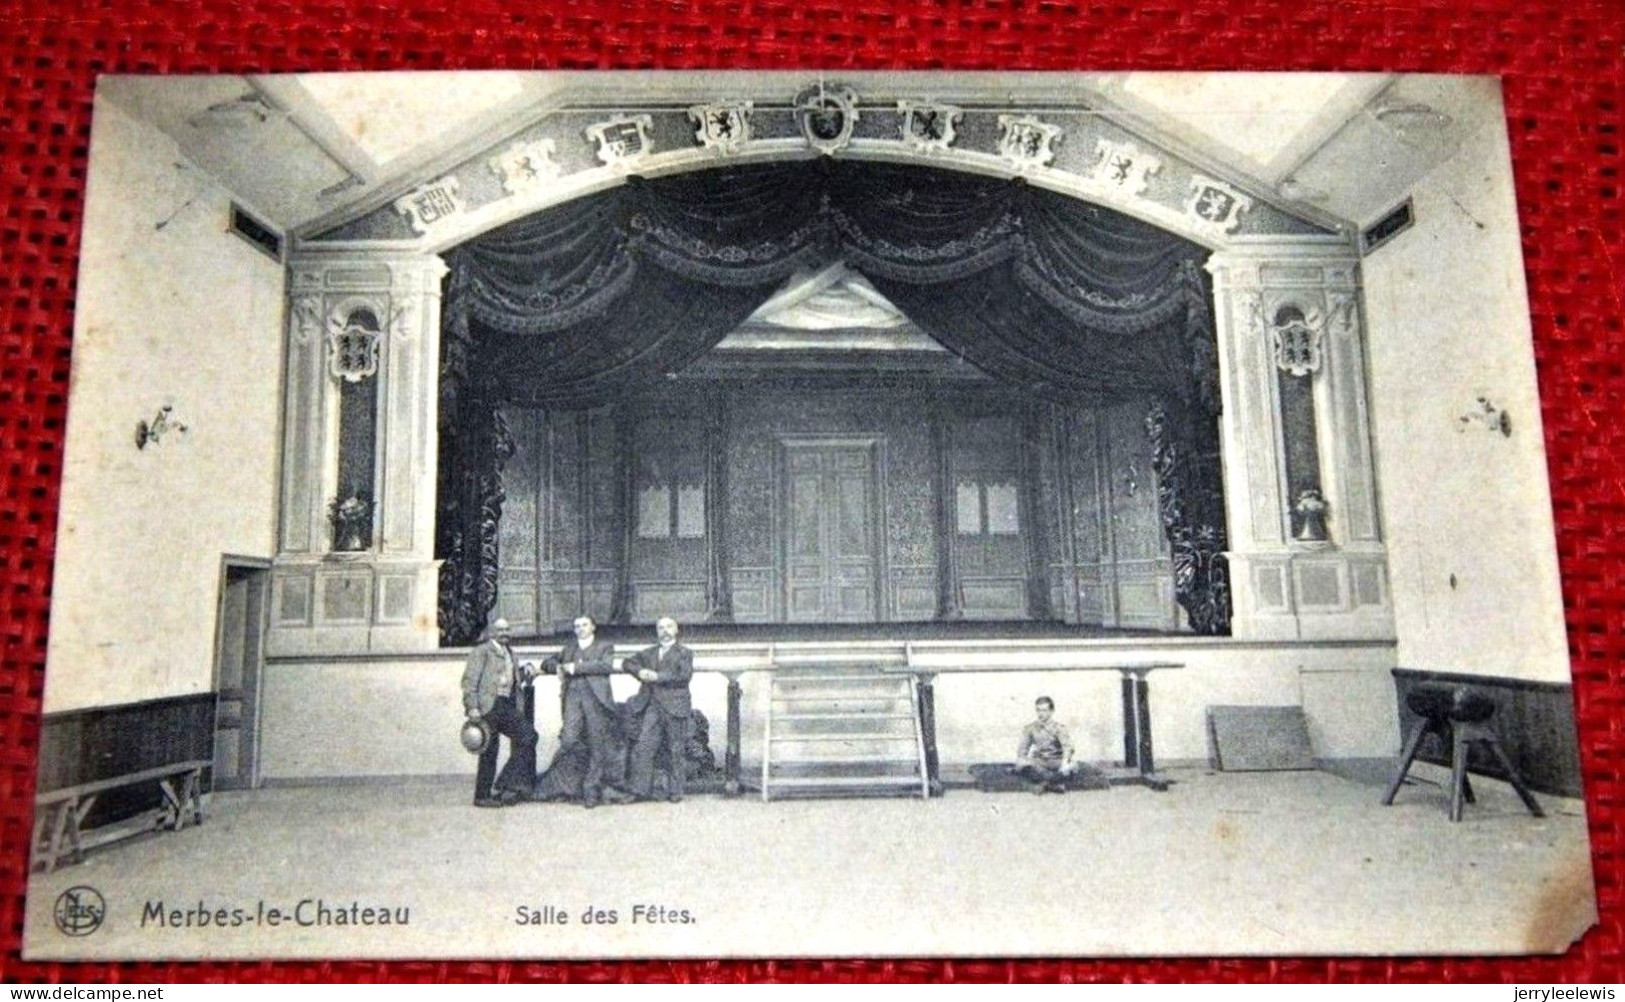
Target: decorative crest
(622,140)
(1123,166)
(723,126)
(1026,141)
(928,126)
(352,348)
(827,117)
(525,166)
(1297,343)
(430,204)
(1217,207)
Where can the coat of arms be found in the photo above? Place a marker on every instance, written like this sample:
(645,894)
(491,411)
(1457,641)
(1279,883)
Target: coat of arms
(827,117)
(723,126)
(1027,142)
(1297,342)
(430,204)
(1216,206)
(623,139)
(928,126)
(1123,166)
(352,346)
(524,166)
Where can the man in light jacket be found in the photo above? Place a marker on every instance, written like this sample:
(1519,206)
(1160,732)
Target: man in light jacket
(492,692)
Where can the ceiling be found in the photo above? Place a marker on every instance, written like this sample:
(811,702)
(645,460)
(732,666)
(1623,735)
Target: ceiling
(305,151)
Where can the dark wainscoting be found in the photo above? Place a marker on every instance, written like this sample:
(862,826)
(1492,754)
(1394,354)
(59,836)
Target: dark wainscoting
(1535,722)
(103,742)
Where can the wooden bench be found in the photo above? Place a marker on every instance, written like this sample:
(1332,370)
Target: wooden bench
(59,815)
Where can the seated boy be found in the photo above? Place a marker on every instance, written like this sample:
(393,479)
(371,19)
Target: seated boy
(1044,759)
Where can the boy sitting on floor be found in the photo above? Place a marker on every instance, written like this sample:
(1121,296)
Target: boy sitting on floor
(1044,759)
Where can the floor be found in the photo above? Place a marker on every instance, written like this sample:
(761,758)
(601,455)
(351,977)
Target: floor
(1220,864)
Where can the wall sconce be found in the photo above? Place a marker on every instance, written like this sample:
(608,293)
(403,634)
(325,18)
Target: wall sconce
(1487,415)
(161,424)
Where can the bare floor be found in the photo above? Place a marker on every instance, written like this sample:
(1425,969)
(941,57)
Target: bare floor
(1262,863)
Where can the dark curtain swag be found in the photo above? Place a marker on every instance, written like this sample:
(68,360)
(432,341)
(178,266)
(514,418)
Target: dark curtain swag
(579,305)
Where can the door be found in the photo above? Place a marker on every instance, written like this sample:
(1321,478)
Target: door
(831,548)
(239,655)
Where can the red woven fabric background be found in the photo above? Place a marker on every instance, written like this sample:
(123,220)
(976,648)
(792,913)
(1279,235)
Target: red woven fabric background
(1564,67)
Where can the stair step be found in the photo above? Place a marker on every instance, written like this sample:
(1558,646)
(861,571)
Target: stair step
(822,760)
(832,680)
(795,739)
(854,716)
(812,782)
(842,703)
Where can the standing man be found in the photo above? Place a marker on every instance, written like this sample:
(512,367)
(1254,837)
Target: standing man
(491,692)
(664,670)
(584,667)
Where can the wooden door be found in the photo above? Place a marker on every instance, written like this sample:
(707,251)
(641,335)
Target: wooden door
(239,655)
(831,545)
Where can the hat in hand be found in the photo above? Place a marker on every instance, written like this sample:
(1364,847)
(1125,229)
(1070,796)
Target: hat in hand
(476,735)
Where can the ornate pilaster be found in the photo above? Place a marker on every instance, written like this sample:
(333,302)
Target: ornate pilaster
(371,321)
(1288,307)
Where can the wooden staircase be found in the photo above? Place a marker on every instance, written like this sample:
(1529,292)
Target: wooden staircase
(847,730)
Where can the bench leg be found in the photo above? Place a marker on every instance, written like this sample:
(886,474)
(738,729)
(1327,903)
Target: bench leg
(174,811)
(1458,773)
(65,828)
(192,796)
(1528,798)
(80,812)
(1411,746)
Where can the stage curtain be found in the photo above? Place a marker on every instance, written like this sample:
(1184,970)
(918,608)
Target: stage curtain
(580,304)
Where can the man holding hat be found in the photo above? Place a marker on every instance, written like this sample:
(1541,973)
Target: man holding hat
(492,694)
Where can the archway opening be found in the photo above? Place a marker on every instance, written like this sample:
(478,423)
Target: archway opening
(590,424)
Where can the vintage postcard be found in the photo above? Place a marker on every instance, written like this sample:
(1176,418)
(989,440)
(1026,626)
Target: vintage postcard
(804,514)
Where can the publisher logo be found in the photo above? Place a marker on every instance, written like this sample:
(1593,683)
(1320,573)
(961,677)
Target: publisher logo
(79,911)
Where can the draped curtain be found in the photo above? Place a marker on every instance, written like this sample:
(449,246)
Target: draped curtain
(578,305)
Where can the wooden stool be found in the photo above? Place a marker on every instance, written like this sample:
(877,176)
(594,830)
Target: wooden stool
(1460,716)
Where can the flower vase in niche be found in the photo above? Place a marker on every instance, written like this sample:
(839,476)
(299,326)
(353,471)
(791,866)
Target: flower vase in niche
(352,523)
(1311,509)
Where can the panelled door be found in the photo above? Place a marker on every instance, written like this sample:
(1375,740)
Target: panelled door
(239,656)
(831,532)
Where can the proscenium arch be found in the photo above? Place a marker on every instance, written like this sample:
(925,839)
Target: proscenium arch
(469,225)
(1248,269)
(1120,310)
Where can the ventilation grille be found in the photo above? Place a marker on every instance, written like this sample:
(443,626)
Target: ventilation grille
(259,234)
(1387,228)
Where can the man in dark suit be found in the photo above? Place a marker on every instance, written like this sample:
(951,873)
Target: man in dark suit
(491,692)
(584,667)
(664,707)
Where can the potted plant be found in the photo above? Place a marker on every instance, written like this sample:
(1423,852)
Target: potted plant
(1311,510)
(352,522)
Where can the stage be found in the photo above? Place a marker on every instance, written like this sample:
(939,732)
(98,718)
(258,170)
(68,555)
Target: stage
(362,717)
(633,637)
